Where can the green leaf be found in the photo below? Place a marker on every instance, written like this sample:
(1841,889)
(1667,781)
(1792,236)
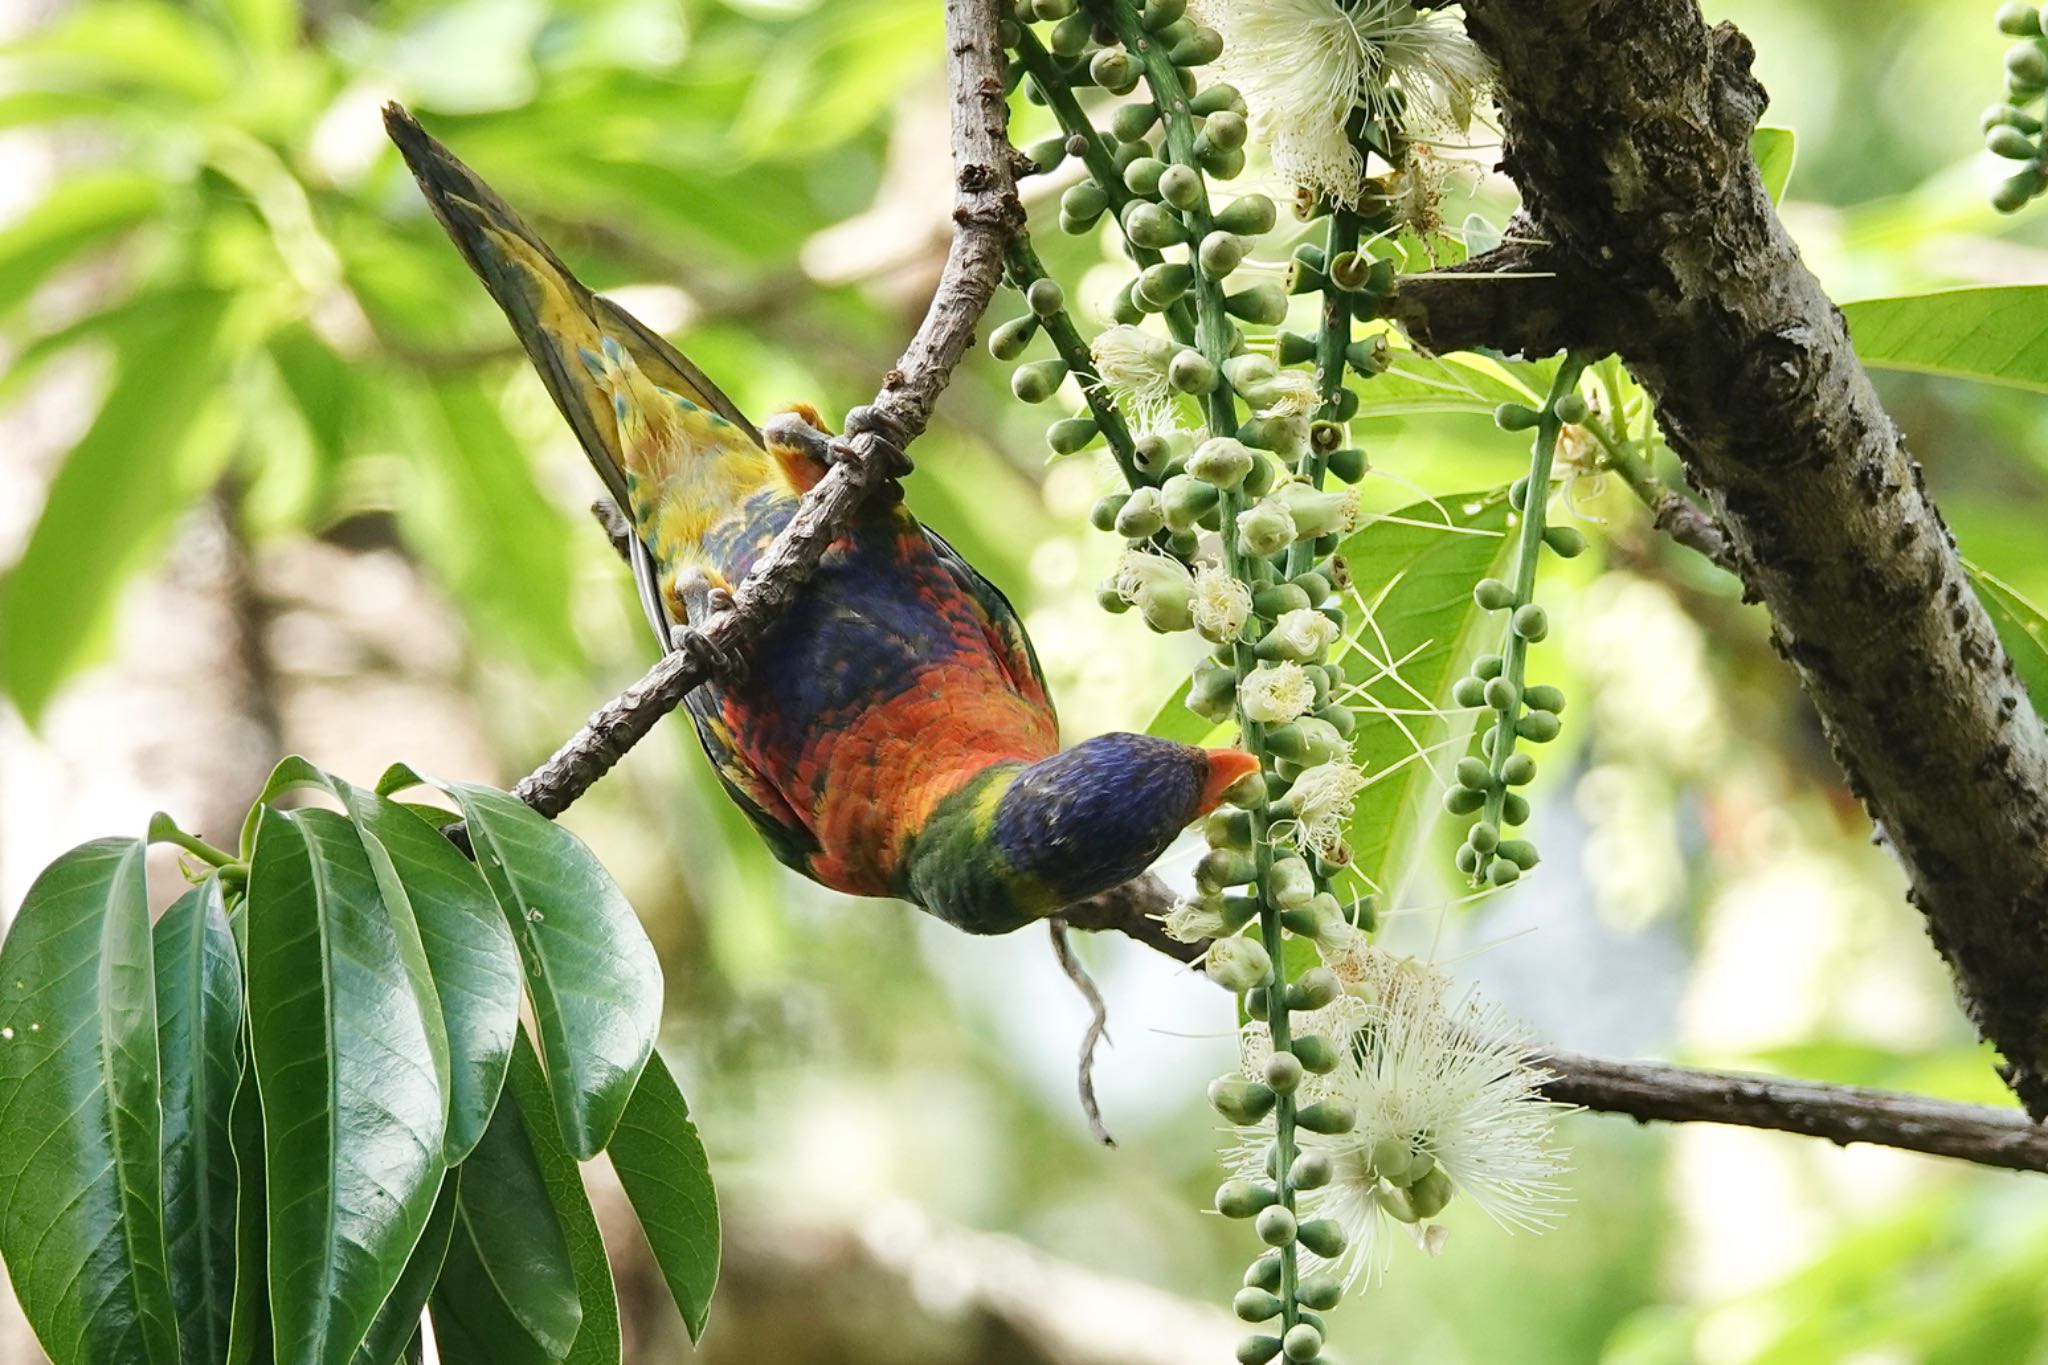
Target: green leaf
(1775,149)
(398,1321)
(1459,382)
(593,976)
(526,1278)
(469,951)
(145,457)
(81,1198)
(2022,629)
(1999,335)
(80,212)
(199,1026)
(1417,631)
(661,1162)
(355,1117)
(142,44)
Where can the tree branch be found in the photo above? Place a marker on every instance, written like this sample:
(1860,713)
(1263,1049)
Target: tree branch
(1628,126)
(985,214)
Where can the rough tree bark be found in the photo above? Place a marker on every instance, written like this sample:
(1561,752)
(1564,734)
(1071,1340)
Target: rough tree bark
(1627,129)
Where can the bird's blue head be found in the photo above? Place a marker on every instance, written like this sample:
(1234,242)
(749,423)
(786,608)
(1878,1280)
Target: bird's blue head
(1096,815)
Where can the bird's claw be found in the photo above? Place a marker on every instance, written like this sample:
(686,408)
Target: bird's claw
(888,440)
(725,665)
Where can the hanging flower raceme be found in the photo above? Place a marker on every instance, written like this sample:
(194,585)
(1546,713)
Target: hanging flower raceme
(1448,1103)
(1305,65)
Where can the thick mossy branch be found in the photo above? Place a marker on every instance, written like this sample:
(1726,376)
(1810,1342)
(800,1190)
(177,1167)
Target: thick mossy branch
(1628,129)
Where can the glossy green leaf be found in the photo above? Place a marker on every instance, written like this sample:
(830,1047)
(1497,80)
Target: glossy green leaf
(660,1160)
(78,213)
(355,1118)
(1775,149)
(592,974)
(526,1279)
(1416,630)
(1999,334)
(1459,382)
(398,1321)
(81,1198)
(199,1026)
(469,951)
(120,489)
(2022,629)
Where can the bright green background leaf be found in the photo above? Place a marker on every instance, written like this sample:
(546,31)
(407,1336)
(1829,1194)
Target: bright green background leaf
(660,1160)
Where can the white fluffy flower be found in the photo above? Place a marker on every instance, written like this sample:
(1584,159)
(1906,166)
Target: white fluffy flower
(1304,65)
(1273,694)
(1133,365)
(1290,394)
(1306,632)
(1443,1092)
(1321,798)
(1191,921)
(1222,604)
(1160,586)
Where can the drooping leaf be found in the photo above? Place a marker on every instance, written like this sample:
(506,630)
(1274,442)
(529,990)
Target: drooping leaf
(81,1198)
(143,459)
(1416,630)
(1997,334)
(398,1321)
(341,1032)
(199,1026)
(592,974)
(527,1264)
(469,951)
(1775,149)
(661,1163)
(80,212)
(2022,629)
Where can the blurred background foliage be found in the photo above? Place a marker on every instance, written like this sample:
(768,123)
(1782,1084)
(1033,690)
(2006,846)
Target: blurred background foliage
(273,478)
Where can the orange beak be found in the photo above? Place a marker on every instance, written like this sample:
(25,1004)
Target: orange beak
(1227,767)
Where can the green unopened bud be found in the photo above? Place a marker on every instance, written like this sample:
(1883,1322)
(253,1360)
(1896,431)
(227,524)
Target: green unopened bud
(1264,529)
(1302,1343)
(1186,500)
(1103,515)
(1240,1100)
(1129,123)
(1488,666)
(1466,859)
(1255,1305)
(1225,128)
(1289,881)
(1141,178)
(1322,1291)
(1190,372)
(1250,371)
(1264,1273)
(1046,155)
(1202,47)
(1520,852)
(1468,691)
(2012,114)
(1220,461)
(1212,693)
(1502,694)
(1566,542)
(1275,1225)
(1474,773)
(1516,417)
(1051,11)
(1518,771)
(2012,194)
(1263,304)
(1316,513)
(1281,435)
(1039,380)
(1493,595)
(1244,1199)
(1084,201)
(1430,1194)
(1571,409)
(2028,63)
(1072,434)
(1141,515)
(1228,827)
(1218,96)
(1162,285)
(1538,727)
(1257,1350)
(1531,622)
(1311,1171)
(1463,800)
(1322,1236)
(1154,452)
(1394,1159)
(1251,216)
(1331,1117)
(1114,70)
(2020,20)
(1483,837)
(1220,868)
(1008,341)
(1316,1054)
(1127,307)
(1219,254)
(1514,809)
(1283,1073)
(1502,872)
(1544,697)
(1181,186)
(1313,989)
(1149,225)
(2011,143)
(1070,35)
(1279,599)
(1158,14)
(1045,297)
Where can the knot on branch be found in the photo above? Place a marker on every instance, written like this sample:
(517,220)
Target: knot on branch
(1784,364)
(1738,95)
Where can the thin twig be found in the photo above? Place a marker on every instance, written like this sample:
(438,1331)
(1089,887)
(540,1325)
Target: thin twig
(985,213)
(1098,1026)
(1654,1091)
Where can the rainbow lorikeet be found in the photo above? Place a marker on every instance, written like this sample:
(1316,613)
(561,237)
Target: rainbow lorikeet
(892,735)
